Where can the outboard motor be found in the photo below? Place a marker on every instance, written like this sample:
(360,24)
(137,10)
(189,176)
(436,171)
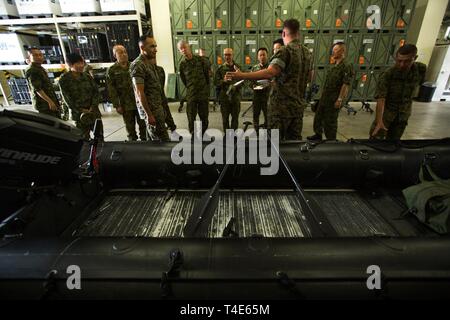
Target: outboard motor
(36,151)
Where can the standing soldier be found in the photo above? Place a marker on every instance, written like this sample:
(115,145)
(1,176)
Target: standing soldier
(80,94)
(288,66)
(260,92)
(42,92)
(162,78)
(195,72)
(229,95)
(394,94)
(120,89)
(148,87)
(335,90)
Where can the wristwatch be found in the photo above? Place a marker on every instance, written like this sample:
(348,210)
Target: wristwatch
(339,99)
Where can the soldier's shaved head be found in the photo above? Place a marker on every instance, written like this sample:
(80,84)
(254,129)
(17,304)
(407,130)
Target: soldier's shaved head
(35,55)
(291,30)
(120,53)
(339,50)
(185,49)
(147,46)
(405,57)
(228,54)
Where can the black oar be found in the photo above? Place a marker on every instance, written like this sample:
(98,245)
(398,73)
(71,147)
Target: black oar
(319,227)
(200,219)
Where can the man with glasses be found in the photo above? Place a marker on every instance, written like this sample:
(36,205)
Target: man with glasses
(394,94)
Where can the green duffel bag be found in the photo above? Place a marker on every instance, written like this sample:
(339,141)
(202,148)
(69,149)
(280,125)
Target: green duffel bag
(429,201)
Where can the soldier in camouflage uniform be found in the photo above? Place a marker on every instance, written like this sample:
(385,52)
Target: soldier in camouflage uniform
(162,78)
(148,88)
(289,67)
(80,94)
(120,89)
(43,95)
(394,94)
(260,93)
(229,95)
(194,73)
(335,90)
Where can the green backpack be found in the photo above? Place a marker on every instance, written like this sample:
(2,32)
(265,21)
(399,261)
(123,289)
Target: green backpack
(429,201)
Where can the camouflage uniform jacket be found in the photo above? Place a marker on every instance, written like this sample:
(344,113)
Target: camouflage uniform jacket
(337,75)
(224,85)
(38,80)
(143,72)
(398,87)
(120,87)
(260,95)
(287,99)
(194,74)
(79,92)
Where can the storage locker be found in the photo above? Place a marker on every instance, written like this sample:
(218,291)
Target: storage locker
(335,14)
(245,14)
(308,13)
(274,12)
(215,15)
(383,49)
(360,48)
(185,15)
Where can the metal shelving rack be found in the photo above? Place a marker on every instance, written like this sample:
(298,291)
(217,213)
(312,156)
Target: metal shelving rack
(57,21)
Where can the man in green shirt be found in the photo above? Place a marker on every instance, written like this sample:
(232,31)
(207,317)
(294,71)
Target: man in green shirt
(148,87)
(195,73)
(80,94)
(120,89)
(43,94)
(394,94)
(260,91)
(229,95)
(335,89)
(290,68)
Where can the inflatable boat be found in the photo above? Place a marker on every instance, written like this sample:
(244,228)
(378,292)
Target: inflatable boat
(137,225)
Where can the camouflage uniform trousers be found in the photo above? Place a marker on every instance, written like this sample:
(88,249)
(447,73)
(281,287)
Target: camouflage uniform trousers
(395,121)
(169,119)
(289,128)
(326,120)
(131,118)
(160,116)
(228,108)
(200,107)
(86,123)
(56,114)
(258,106)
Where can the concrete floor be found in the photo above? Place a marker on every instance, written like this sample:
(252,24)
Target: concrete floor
(428,121)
